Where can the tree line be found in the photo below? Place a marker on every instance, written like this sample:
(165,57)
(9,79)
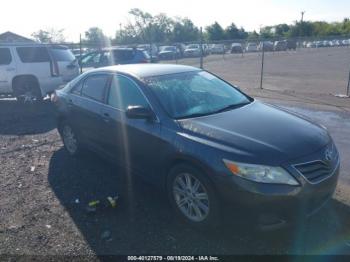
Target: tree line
(143,27)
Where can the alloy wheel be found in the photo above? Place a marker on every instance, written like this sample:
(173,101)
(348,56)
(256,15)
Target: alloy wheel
(191,197)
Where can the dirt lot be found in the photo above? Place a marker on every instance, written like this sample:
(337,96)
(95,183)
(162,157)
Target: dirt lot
(44,194)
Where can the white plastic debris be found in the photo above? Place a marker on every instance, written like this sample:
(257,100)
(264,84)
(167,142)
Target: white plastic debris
(48,226)
(32,168)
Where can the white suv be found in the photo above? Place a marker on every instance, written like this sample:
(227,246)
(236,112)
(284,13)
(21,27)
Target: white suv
(31,71)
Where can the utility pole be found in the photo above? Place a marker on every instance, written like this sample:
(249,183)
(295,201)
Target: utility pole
(262,65)
(201,49)
(80,54)
(348,87)
(301,26)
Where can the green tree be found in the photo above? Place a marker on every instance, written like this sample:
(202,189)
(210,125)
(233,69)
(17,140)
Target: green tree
(281,30)
(253,35)
(267,32)
(95,37)
(232,32)
(184,31)
(50,35)
(215,32)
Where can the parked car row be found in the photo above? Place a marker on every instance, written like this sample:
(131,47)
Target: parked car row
(326,43)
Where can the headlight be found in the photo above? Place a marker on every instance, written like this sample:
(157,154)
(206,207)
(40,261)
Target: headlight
(260,173)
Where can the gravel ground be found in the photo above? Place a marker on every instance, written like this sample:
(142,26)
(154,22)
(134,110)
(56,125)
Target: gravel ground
(44,194)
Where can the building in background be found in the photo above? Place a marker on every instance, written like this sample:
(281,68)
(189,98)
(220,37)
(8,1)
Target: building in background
(9,37)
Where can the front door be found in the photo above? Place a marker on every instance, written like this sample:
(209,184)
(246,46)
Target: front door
(134,142)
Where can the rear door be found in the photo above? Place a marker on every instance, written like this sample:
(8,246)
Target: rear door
(66,61)
(87,107)
(7,69)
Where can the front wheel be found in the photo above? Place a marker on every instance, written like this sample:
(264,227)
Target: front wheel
(193,197)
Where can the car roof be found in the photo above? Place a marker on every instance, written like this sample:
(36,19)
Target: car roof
(15,44)
(147,70)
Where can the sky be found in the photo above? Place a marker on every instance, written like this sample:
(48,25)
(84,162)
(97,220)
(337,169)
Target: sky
(75,16)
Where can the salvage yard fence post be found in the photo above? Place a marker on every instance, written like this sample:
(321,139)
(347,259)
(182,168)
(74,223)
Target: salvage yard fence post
(262,66)
(348,87)
(80,54)
(201,50)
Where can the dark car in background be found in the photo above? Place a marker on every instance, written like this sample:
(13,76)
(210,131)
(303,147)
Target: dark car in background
(168,53)
(236,48)
(267,45)
(280,45)
(203,141)
(114,56)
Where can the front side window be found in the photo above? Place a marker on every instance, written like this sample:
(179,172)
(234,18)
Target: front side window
(195,93)
(94,87)
(5,56)
(33,54)
(124,93)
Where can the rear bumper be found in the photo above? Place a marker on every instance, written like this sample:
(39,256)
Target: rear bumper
(269,205)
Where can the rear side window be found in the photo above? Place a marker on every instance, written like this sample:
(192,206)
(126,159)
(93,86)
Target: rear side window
(5,56)
(94,87)
(33,54)
(62,54)
(77,88)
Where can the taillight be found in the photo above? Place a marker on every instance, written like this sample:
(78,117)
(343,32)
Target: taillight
(54,97)
(54,68)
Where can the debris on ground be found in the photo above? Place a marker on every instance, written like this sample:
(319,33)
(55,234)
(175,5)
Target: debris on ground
(109,202)
(32,168)
(106,235)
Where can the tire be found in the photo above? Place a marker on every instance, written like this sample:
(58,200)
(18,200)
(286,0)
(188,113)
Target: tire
(190,207)
(27,90)
(70,139)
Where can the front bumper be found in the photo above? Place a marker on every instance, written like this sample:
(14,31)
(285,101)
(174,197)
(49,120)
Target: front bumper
(269,205)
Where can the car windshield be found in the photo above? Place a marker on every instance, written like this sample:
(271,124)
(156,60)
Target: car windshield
(196,93)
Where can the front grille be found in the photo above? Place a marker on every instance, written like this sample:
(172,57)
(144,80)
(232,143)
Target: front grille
(316,171)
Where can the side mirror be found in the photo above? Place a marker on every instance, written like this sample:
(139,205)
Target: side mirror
(139,112)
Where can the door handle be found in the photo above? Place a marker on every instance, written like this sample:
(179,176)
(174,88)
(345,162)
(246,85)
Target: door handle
(106,117)
(70,102)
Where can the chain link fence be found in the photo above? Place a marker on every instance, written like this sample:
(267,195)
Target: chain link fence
(305,65)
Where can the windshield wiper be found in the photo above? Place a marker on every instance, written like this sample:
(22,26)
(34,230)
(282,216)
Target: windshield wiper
(194,115)
(226,108)
(230,107)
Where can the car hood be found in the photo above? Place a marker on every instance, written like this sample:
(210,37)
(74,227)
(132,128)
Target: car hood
(258,132)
